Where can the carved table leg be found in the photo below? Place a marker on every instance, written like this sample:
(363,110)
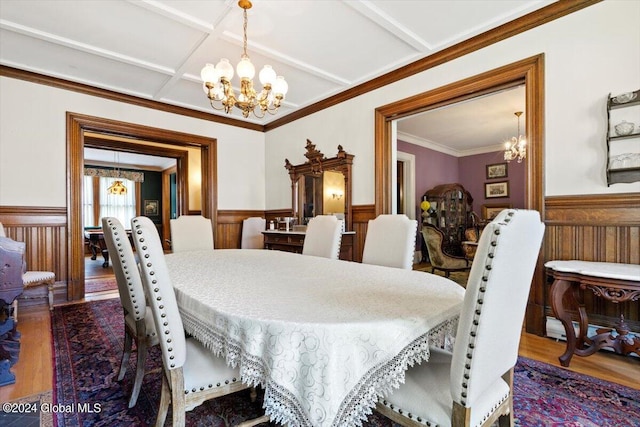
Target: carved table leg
(558,290)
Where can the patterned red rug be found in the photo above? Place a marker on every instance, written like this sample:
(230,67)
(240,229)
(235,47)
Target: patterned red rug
(88,341)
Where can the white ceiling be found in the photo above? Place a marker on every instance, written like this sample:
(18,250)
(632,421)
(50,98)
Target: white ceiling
(155,49)
(99,157)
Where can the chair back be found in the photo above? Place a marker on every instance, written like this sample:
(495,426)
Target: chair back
(433,239)
(160,293)
(390,241)
(191,232)
(494,304)
(252,237)
(323,236)
(124,268)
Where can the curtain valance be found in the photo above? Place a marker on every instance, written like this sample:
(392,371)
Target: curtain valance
(115,173)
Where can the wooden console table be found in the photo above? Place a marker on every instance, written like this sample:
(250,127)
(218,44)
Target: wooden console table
(292,241)
(614,282)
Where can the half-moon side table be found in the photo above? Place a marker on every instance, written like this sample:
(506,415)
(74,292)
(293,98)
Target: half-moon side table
(614,282)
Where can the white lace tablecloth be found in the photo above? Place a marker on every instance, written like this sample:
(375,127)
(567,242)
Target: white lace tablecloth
(324,338)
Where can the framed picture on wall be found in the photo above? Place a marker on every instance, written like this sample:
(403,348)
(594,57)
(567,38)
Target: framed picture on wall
(498,170)
(151,207)
(494,190)
(490,211)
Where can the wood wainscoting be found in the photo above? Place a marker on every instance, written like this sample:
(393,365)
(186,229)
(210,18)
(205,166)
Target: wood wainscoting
(603,228)
(44,231)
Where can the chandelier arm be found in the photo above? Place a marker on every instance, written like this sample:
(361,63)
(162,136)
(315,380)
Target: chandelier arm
(211,101)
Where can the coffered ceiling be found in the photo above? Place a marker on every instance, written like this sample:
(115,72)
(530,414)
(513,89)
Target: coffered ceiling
(155,49)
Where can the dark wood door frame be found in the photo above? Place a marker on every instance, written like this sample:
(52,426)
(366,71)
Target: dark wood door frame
(77,125)
(529,71)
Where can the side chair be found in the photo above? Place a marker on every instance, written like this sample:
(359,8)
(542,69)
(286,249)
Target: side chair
(390,241)
(138,320)
(192,374)
(191,232)
(439,259)
(473,385)
(323,236)
(252,237)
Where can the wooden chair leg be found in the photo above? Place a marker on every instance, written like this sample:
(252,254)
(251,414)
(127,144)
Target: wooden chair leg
(50,289)
(125,354)
(178,406)
(140,362)
(165,398)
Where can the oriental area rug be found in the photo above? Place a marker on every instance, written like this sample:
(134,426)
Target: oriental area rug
(88,340)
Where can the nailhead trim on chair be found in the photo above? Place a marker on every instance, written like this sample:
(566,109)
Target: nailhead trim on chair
(125,267)
(477,312)
(408,414)
(164,315)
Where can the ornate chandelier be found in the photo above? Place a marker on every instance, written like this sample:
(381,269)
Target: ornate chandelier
(217,83)
(517,147)
(117,187)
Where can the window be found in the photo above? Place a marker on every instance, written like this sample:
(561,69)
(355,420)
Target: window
(88,203)
(98,203)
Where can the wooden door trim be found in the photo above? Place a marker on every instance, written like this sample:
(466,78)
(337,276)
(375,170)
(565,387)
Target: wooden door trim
(529,71)
(77,125)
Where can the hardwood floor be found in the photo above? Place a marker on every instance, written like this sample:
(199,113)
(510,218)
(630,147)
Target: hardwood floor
(34,370)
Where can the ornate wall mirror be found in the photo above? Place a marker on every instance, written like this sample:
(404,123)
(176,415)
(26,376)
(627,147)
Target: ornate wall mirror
(321,186)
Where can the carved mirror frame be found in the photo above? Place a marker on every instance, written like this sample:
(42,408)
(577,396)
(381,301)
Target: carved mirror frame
(315,165)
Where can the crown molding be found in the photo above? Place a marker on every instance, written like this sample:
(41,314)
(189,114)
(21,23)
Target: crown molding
(531,20)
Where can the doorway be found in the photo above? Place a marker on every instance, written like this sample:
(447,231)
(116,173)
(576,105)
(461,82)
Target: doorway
(531,72)
(77,128)
(141,168)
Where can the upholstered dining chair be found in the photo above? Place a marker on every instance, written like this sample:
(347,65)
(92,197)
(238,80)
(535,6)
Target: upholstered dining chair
(390,241)
(252,237)
(192,374)
(191,232)
(439,259)
(32,279)
(323,236)
(472,386)
(138,320)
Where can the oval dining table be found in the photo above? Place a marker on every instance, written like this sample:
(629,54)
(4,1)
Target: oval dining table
(324,338)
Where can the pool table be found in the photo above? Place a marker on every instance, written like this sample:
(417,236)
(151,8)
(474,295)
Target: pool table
(95,238)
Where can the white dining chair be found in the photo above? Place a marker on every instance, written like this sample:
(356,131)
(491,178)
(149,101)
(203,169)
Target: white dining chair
(323,236)
(192,373)
(138,320)
(191,232)
(390,241)
(473,385)
(252,237)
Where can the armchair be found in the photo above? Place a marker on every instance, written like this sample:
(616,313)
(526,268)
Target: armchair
(439,259)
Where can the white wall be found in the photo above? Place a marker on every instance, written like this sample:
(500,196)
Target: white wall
(33,145)
(588,54)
